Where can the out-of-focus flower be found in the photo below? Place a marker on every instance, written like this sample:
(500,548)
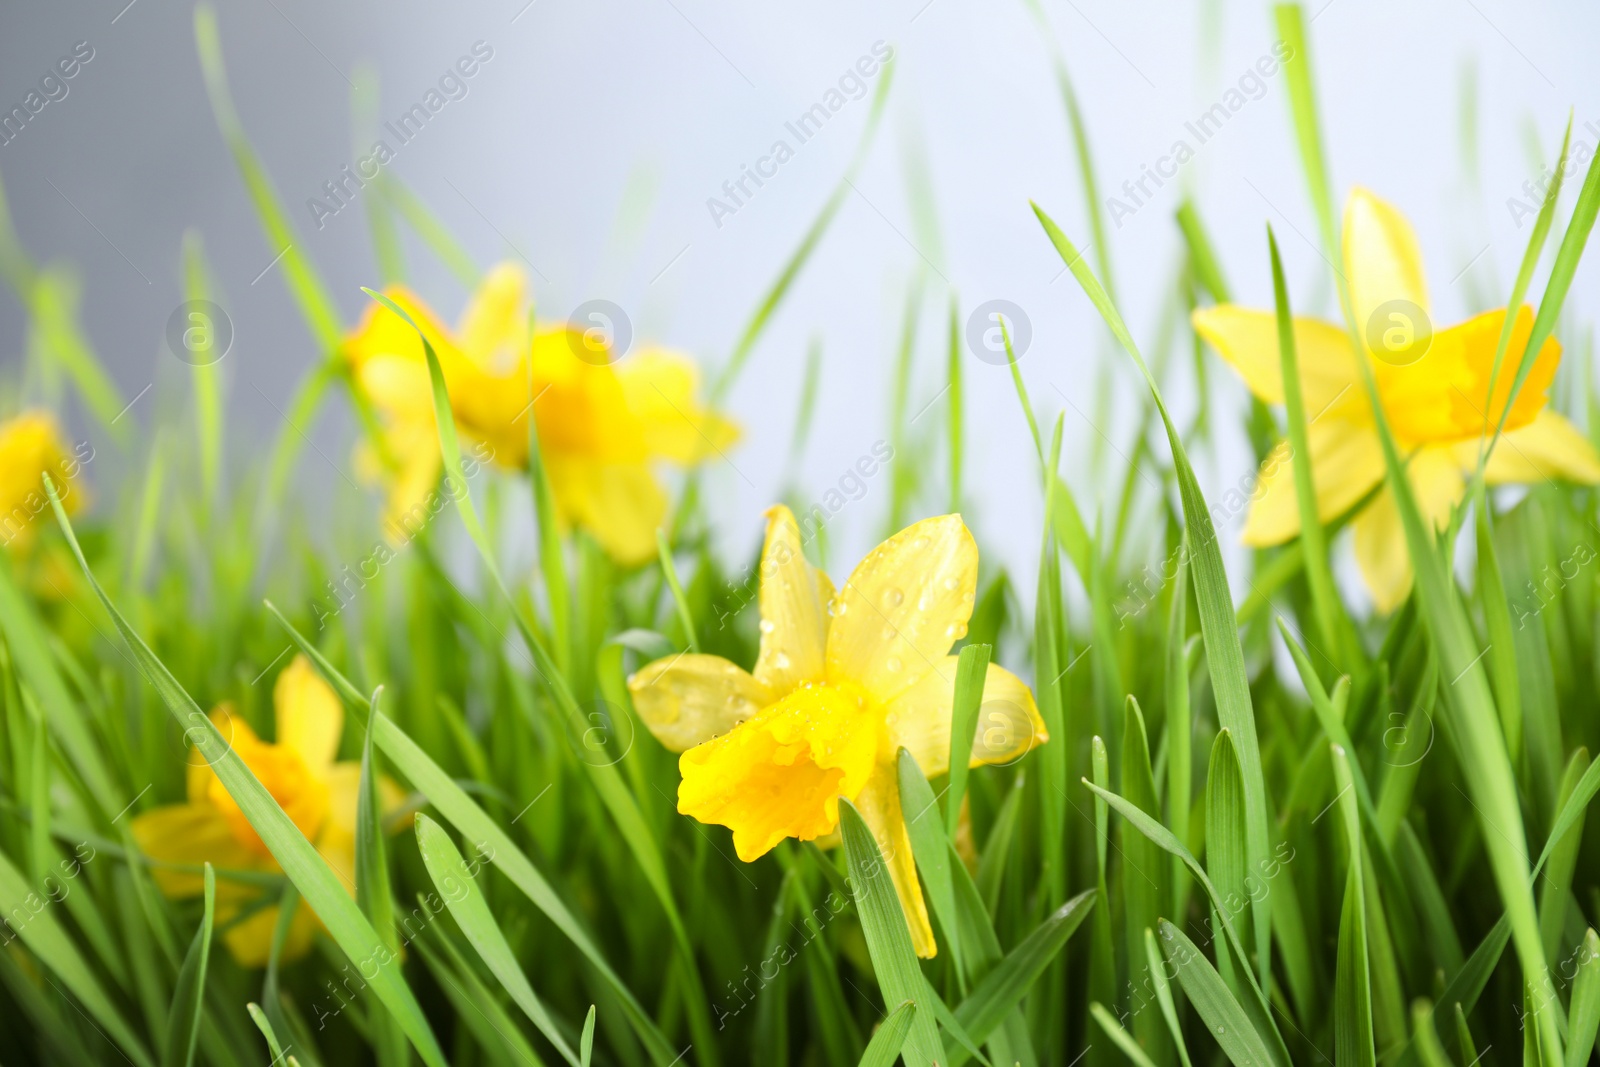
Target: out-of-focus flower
(843,681)
(298,769)
(600,423)
(31,446)
(1434,387)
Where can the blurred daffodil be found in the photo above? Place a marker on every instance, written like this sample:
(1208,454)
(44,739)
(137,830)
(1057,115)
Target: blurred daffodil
(1434,387)
(601,420)
(30,447)
(844,680)
(298,769)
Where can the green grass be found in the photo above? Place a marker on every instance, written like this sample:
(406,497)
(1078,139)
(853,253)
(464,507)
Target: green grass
(1274,832)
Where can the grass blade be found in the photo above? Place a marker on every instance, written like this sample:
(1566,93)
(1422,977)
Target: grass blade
(188,995)
(471,911)
(884,1048)
(888,938)
(1224,1018)
(300,861)
(1224,654)
(972,669)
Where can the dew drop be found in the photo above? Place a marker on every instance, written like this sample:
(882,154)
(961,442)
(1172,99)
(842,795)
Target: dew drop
(781,661)
(837,607)
(893,664)
(767,626)
(920,542)
(894,598)
(950,584)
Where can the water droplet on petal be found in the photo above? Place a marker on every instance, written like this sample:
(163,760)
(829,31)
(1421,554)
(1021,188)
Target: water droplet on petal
(837,607)
(781,661)
(893,664)
(950,584)
(767,626)
(893,598)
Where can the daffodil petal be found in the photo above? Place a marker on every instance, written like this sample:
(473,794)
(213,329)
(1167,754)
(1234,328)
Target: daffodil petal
(1380,548)
(310,717)
(1443,396)
(30,447)
(1345,464)
(1381,258)
(1548,447)
(781,773)
(879,804)
(1380,541)
(621,504)
(1009,725)
(794,608)
(493,323)
(687,700)
(662,390)
(903,607)
(249,940)
(1248,341)
(193,835)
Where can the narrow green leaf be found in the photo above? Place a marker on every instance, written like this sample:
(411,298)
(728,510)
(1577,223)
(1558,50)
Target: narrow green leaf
(931,848)
(1156,971)
(1004,986)
(586,1041)
(1352,1010)
(1555,891)
(888,938)
(1225,1020)
(1583,1016)
(189,994)
(972,670)
(1120,1037)
(1425,1038)
(466,903)
(670,571)
(884,1048)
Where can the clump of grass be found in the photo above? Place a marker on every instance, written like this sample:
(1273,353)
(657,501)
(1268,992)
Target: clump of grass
(1274,832)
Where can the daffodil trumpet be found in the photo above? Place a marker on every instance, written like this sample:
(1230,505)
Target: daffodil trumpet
(1438,388)
(844,680)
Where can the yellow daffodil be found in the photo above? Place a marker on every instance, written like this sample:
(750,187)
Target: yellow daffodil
(844,680)
(30,447)
(1434,387)
(299,770)
(601,423)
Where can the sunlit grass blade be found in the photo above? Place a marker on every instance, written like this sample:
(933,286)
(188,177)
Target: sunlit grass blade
(1319,576)
(1583,1016)
(1217,622)
(300,861)
(1202,254)
(1225,849)
(373,893)
(188,996)
(268,1031)
(1555,890)
(888,938)
(1352,1011)
(471,911)
(476,1003)
(1144,868)
(669,571)
(933,854)
(586,1039)
(972,669)
(887,1040)
(1425,1039)
(206,374)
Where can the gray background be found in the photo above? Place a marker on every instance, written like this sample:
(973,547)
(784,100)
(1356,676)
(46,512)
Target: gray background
(593,138)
